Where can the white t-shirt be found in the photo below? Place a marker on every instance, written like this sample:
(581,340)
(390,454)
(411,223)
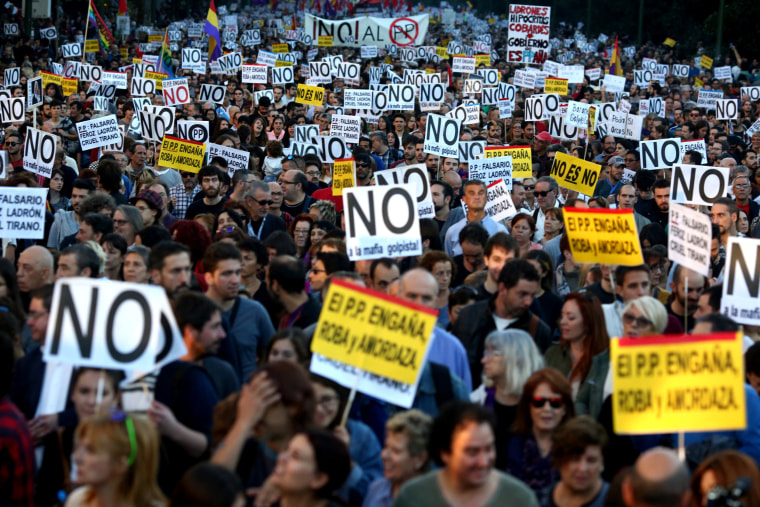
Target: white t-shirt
(502,324)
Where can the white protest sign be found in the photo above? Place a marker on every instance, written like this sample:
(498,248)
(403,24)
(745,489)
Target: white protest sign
(98,132)
(489,170)
(471,150)
(348,128)
(382,221)
(320,72)
(282,75)
(558,127)
(193,61)
(306,133)
(708,98)
(660,153)
(698,184)
(12,110)
(236,159)
(727,109)
(463,64)
(101,104)
(594,74)
(369,51)
(39,152)
(697,145)
(417,175)
(401,97)
(689,238)
(752,92)
(573,73)
(196,131)
(34,92)
(12,76)
(101,324)
(528,35)
(348,72)
(432,95)
(467,114)
(212,93)
(176,91)
(524,79)
(741,281)
(256,73)
(499,205)
(117,79)
(266,58)
(331,148)
(71,50)
(230,63)
(442,135)
(142,87)
(624,125)
(577,114)
(22,212)
(680,71)
(722,73)
(10,29)
(357,99)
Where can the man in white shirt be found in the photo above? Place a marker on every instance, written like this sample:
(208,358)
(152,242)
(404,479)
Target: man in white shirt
(475,198)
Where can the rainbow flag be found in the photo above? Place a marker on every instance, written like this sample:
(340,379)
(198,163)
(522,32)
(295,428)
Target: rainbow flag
(616,66)
(165,58)
(212,29)
(123,8)
(105,38)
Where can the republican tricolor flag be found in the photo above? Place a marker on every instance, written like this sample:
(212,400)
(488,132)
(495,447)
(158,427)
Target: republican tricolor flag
(616,66)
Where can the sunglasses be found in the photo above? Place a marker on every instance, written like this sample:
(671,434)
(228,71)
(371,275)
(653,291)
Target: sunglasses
(264,202)
(12,144)
(187,175)
(362,164)
(539,402)
(531,187)
(639,322)
(543,193)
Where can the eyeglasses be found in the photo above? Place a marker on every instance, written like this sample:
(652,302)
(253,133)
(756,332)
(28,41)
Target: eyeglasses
(637,322)
(264,202)
(529,187)
(543,193)
(314,173)
(539,402)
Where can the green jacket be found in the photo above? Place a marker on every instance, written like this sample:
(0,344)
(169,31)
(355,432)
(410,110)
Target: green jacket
(591,393)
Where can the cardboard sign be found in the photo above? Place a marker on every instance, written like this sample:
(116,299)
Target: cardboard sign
(12,76)
(524,79)
(117,79)
(521,158)
(310,95)
(307,133)
(255,73)
(697,145)
(555,85)
(528,35)
(22,211)
(348,128)
(698,184)
(193,61)
(101,324)
(489,170)
(357,99)
(401,97)
(463,64)
(344,175)
(606,236)
(195,131)
(660,154)
(752,92)
(442,136)
(708,98)
(577,114)
(499,206)
(741,280)
(706,62)
(212,93)
(382,222)
(236,159)
(142,87)
(39,152)
(355,32)
(432,95)
(266,58)
(71,50)
(181,154)
(575,174)
(98,132)
(727,109)
(471,150)
(623,125)
(417,175)
(614,83)
(176,91)
(354,329)
(70,86)
(689,238)
(282,75)
(664,384)
(12,110)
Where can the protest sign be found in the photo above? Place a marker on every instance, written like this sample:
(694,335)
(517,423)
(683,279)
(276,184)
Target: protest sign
(689,239)
(751,92)
(12,110)
(417,175)
(70,86)
(371,31)
(468,114)
(255,73)
(71,50)
(463,64)
(212,93)
(489,170)
(34,92)
(330,148)
(196,131)
(727,109)
(22,211)
(310,95)
(192,60)
(741,281)
(606,236)
(708,98)
(401,97)
(101,324)
(306,133)
(528,35)
(524,79)
(39,152)
(181,154)
(117,79)
(697,145)
(555,85)
(98,132)
(698,184)
(559,128)
(442,135)
(471,150)
(522,158)
(499,205)
(594,74)
(176,91)
(624,125)
(142,87)
(573,73)
(48,77)
(266,58)
(577,114)
(343,175)
(722,73)
(382,222)
(660,153)
(575,174)
(542,107)
(347,128)
(665,384)
(236,159)
(357,99)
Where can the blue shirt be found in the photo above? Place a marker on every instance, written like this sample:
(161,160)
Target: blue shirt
(380,494)
(448,351)
(453,247)
(252,328)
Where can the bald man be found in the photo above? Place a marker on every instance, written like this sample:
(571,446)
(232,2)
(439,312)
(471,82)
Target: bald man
(453,179)
(657,479)
(419,286)
(35,268)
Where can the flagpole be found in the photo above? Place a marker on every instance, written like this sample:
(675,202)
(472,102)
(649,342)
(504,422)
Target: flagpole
(86,26)
(161,53)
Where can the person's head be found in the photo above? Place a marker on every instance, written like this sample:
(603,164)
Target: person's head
(210,179)
(518,284)
(170,266)
(127,222)
(658,479)
(715,323)
(286,275)
(472,239)
(258,199)
(119,452)
(510,357)
(40,300)
(223,264)
(724,469)
(546,402)
(523,227)
(287,345)
(577,447)
(200,321)
(209,485)
(441,266)
(632,282)
(627,196)
(546,192)
(609,144)
(325,265)
(315,464)
(725,213)
(752,366)
(84,390)
(687,295)
(255,257)
(293,185)
(78,261)
(578,325)
(500,249)
(382,273)
(644,316)
(474,195)
(34,268)
(109,176)
(405,454)
(94,226)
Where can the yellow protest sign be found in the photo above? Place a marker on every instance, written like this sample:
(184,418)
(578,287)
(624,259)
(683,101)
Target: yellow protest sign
(49,77)
(604,236)
(441,52)
(158,77)
(280,48)
(591,119)
(522,159)
(283,63)
(670,42)
(69,85)
(124,52)
(555,85)
(91,46)
(669,383)
(372,331)
(483,59)
(311,95)
(136,60)
(706,62)
(698,83)
(181,154)
(325,41)
(154,38)
(575,174)
(342,175)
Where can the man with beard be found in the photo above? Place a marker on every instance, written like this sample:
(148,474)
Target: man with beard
(660,212)
(296,201)
(365,166)
(445,216)
(248,320)
(66,223)
(685,302)
(724,213)
(608,148)
(286,279)
(410,151)
(213,201)
(14,145)
(170,267)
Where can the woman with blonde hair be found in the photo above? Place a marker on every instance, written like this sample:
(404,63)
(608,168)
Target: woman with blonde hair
(116,457)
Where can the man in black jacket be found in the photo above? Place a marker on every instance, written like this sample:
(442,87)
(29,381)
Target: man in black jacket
(507,309)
